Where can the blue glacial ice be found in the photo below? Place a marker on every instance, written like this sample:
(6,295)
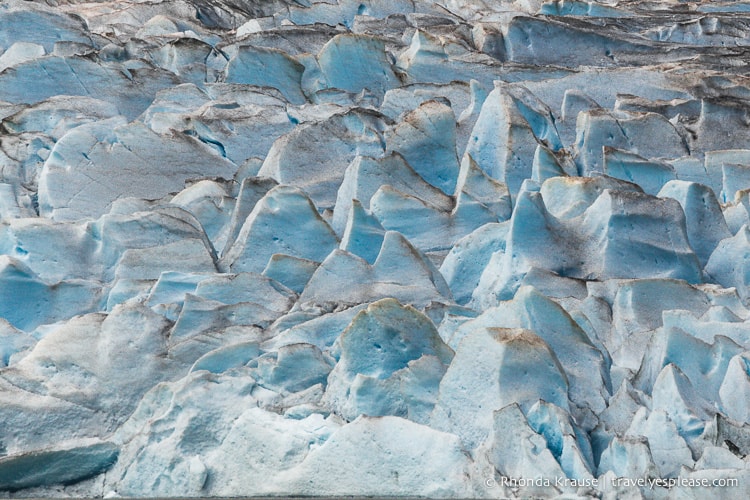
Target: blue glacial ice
(387,248)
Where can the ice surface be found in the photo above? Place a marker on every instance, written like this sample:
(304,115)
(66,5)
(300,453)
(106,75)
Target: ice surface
(20,52)
(268,68)
(464,265)
(283,221)
(391,360)
(521,453)
(705,222)
(428,227)
(726,264)
(38,24)
(363,234)
(427,140)
(733,390)
(474,386)
(569,446)
(589,387)
(37,80)
(28,301)
(628,457)
(104,161)
(646,134)
(512,123)
(596,239)
(347,279)
(222,116)
(427,462)
(368,68)
(314,156)
(58,114)
(365,175)
(405,248)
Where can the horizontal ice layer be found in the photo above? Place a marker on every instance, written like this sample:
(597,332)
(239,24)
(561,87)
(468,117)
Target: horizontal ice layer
(39,79)
(62,465)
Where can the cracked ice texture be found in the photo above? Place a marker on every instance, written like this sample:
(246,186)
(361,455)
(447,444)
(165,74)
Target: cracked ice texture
(388,247)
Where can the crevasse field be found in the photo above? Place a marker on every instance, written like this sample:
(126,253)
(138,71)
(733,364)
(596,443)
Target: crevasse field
(445,249)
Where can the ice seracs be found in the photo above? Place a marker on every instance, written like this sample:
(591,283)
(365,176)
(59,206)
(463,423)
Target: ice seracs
(635,132)
(348,279)
(705,223)
(391,360)
(529,309)
(427,140)
(375,248)
(266,67)
(369,66)
(282,207)
(366,175)
(512,123)
(320,170)
(597,241)
(503,373)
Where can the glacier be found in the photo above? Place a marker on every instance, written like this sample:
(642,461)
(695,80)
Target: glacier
(374,248)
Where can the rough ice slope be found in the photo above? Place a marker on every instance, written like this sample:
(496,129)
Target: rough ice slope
(378,247)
